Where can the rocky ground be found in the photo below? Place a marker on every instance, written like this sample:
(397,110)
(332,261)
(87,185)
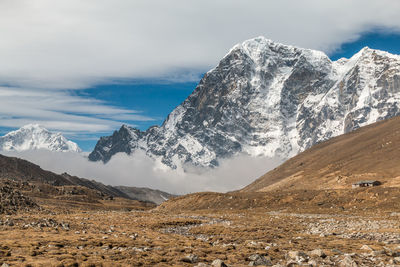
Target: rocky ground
(43,225)
(84,235)
(12,199)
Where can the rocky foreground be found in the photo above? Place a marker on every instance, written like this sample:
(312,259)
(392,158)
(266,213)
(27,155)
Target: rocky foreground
(110,234)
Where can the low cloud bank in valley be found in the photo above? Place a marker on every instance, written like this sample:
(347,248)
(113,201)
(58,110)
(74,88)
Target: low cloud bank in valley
(141,171)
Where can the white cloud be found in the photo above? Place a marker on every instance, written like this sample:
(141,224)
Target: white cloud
(75,44)
(58,110)
(140,170)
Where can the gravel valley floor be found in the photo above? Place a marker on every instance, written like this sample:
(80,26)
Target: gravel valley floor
(123,233)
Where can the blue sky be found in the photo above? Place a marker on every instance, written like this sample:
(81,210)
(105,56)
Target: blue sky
(377,39)
(154,99)
(86,67)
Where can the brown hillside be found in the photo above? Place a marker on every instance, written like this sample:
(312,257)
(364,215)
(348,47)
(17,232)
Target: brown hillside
(369,153)
(19,169)
(22,170)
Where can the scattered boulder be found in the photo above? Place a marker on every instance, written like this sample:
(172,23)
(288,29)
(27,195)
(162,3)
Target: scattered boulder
(65,226)
(348,261)
(298,256)
(396,260)
(257,259)
(317,253)
(378,252)
(9,222)
(392,253)
(312,263)
(337,251)
(218,263)
(366,247)
(191,258)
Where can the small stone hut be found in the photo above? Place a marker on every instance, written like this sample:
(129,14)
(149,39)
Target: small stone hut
(366,183)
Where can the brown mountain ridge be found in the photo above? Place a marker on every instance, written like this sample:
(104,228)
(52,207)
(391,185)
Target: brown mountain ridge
(17,169)
(369,153)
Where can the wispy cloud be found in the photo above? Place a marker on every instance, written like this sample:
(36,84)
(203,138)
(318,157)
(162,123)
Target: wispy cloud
(139,170)
(59,110)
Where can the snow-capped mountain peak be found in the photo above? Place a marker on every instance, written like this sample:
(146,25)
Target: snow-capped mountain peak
(268,99)
(34,136)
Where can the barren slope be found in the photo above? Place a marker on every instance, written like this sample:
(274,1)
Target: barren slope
(371,152)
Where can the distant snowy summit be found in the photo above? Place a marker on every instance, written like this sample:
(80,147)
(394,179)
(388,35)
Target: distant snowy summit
(267,99)
(34,136)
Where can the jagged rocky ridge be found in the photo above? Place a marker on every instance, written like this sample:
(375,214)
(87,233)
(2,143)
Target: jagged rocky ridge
(268,99)
(34,136)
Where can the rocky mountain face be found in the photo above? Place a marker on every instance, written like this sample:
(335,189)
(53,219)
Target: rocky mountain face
(267,99)
(34,136)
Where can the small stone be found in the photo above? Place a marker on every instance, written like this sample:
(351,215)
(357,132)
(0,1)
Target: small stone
(191,258)
(201,264)
(348,262)
(65,226)
(396,260)
(5,265)
(395,254)
(218,263)
(366,247)
(392,253)
(318,253)
(312,263)
(377,252)
(298,256)
(336,251)
(133,236)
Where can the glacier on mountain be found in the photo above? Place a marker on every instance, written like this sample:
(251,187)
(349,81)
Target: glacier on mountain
(34,136)
(267,99)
